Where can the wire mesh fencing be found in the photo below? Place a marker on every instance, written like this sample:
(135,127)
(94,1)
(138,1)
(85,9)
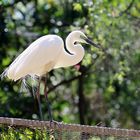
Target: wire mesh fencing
(22,129)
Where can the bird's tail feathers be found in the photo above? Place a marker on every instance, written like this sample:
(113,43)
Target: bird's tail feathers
(24,85)
(28,85)
(4,74)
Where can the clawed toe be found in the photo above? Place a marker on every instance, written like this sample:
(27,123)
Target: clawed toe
(56,124)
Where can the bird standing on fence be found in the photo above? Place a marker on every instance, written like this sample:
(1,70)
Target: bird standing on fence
(47,53)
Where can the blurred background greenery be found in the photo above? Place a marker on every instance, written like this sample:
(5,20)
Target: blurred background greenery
(105,89)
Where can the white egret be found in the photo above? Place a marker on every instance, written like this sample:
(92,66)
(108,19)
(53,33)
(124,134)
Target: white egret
(47,53)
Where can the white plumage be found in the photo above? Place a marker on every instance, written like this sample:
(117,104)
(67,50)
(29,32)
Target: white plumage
(47,53)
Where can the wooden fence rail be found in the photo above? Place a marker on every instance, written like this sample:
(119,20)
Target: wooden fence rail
(94,130)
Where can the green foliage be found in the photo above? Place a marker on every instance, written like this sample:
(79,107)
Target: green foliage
(22,133)
(15,133)
(110,77)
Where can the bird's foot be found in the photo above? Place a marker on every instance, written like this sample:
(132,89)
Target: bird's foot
(99,124)
(55,124)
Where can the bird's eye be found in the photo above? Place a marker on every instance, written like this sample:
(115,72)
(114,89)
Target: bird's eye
(75,43)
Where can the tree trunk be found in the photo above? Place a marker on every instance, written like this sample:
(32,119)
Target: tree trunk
(81,102)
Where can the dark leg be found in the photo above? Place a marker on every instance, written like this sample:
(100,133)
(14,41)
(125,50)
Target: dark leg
(46,97)
(52,122)
(49,108)
(38,100)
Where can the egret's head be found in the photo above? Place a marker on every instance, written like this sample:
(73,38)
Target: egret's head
(80,37)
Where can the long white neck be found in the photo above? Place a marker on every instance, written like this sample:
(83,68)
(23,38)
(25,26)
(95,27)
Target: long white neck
(77,53)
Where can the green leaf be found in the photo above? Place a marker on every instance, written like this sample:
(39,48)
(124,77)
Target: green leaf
(77,7)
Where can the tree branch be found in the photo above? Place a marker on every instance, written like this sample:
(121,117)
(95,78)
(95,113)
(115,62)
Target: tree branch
(86,71)
(128,8)
(63,82)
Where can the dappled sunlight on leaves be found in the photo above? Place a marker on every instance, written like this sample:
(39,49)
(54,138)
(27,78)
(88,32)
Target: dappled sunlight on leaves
(109,75)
